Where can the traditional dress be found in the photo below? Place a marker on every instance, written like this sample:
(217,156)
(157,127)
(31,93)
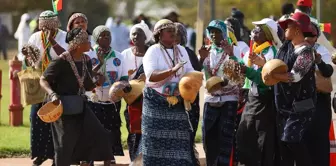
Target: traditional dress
(258,118)
(220,108)
(107,112)
(165,126)
(292,124)
(135,65)
(41,138)
(77,135)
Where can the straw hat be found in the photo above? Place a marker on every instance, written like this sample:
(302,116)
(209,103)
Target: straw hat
(190,84)
(212,83)
(272,66)
(50,112)
(136,91)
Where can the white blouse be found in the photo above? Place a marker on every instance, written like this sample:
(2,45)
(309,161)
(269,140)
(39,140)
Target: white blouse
(133,62)
(156,58)
(36,40)
(114,71)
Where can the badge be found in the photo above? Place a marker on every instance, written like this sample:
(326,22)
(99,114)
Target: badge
(116,62)
(94,61)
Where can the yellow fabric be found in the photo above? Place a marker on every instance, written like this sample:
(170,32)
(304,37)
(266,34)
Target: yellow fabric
(258,49)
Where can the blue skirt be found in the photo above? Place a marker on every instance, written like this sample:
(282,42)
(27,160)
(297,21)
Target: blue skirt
(165,132)
(218,132)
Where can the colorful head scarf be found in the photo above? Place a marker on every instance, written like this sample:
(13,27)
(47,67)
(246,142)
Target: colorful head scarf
(98,30)
(80,38)
(49,20)
(218,24)
(142,25)
(73,17)
(183,32)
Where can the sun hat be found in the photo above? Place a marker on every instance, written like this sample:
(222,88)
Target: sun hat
(301,19)
(273,28)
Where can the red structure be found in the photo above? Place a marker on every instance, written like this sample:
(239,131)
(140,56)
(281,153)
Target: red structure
(15,107)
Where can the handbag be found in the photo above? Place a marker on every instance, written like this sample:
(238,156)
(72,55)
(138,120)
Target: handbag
(323,84)
(32,93)
(72,104)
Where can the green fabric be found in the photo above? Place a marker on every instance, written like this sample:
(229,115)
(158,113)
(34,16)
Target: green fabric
(255,75)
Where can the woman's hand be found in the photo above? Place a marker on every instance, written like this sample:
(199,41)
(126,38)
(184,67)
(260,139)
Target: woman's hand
(227,47)
(257,60)
(318,58)
(54,97)
(100,55)
(204,52)
(178,66)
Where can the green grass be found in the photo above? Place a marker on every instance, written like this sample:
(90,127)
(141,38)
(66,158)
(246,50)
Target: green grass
(14,141)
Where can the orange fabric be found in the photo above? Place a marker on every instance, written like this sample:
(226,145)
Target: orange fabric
(332,145)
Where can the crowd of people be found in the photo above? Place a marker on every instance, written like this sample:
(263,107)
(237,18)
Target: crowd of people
(247,120)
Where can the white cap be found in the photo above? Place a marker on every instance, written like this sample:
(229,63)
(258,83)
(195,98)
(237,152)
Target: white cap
(273,27)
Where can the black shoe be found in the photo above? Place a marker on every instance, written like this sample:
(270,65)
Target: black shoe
(38,161)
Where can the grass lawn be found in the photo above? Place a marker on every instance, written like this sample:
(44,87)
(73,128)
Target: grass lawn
(14,141)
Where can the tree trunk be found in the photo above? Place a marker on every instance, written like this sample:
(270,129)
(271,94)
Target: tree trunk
(130,6)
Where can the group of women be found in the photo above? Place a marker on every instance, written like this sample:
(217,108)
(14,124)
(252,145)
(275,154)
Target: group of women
(274,128)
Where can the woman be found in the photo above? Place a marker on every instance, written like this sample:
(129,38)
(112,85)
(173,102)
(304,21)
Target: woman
(23,33)
(194,113)
(318,136)
(295,95)
(165,124)
(140,35)
(50,41)
(257,122)
(220,108)
(77,135)
(112,69)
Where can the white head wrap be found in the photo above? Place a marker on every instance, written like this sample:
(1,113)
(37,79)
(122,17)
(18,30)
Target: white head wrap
(142,25)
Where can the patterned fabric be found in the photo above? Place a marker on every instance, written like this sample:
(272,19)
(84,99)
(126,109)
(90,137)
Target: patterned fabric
(49,20)
(162,24)
(109,116)
(41,143)
(218,132)
(98,30)
(293,125)
(73,17)
(165,132)
(81,38)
